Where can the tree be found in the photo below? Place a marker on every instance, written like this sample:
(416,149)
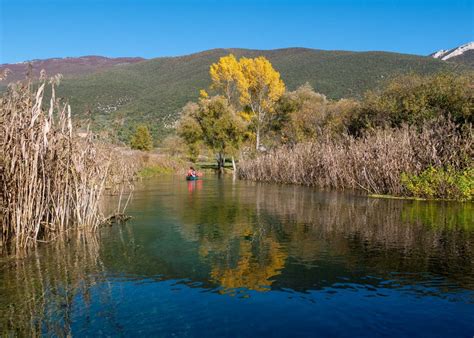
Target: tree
(142,139)
(259,90)
(226,76)
(300,114)
(249,83)
(189,129)
(303,115)
(213,122)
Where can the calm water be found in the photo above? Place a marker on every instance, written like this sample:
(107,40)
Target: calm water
(224,258)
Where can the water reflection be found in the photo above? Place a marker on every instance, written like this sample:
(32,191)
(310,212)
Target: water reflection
(239,238)
(37,294)
(251,233)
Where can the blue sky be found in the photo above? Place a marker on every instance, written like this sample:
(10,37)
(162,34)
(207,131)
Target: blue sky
(33,29)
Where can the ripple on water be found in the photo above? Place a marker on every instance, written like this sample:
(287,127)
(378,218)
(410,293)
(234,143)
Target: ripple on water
(224,258)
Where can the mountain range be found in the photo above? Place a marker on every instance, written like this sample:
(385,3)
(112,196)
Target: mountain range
(119,93)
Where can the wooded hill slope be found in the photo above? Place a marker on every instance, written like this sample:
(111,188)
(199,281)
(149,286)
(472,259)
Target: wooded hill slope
(153,91)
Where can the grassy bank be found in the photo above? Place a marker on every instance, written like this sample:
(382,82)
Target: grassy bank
(154,165)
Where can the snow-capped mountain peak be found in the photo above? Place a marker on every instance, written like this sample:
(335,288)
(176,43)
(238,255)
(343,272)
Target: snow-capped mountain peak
(439,53)
(446,54)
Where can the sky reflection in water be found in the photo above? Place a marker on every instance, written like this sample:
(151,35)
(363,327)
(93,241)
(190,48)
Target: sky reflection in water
(230,258)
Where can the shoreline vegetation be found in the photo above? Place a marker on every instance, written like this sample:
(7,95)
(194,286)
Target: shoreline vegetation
(404,162)
(53,179)
(411,138)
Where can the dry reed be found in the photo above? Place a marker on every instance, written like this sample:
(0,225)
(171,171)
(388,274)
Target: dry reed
(52,180)
(373,163)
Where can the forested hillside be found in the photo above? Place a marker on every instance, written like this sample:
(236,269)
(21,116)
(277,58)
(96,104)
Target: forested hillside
(154,91)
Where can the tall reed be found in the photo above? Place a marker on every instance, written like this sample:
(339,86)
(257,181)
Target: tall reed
(374,162)
(52,180)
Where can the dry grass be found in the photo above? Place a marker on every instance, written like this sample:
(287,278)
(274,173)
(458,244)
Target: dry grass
(373,163)
(52,180)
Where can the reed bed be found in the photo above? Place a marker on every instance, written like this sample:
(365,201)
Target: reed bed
(52,180)
(374,162)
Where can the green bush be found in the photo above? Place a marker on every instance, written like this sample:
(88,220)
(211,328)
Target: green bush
(413,99)
(441,183)
(142,139)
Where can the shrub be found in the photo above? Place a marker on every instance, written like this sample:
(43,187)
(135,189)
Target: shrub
(441,183)
(304,114)
(414,99)
(142,139)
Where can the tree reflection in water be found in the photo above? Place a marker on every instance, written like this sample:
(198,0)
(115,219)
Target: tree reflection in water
(238,238)
(248,232)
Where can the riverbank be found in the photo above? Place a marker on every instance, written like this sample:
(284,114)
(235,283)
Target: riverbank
(434,163)
(157,164)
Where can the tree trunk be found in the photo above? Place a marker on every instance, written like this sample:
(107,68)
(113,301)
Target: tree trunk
(220,162)
(218,158)
(233,165)
(257,145)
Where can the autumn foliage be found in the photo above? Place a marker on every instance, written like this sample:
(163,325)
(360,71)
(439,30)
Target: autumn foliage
(247,92)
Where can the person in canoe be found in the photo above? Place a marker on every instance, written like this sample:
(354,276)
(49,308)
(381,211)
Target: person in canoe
(192,174)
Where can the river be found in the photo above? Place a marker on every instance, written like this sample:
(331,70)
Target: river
(220,257)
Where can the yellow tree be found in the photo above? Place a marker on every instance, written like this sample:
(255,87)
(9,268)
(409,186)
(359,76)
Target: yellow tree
(226,75)
(256,83)
(261,88)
